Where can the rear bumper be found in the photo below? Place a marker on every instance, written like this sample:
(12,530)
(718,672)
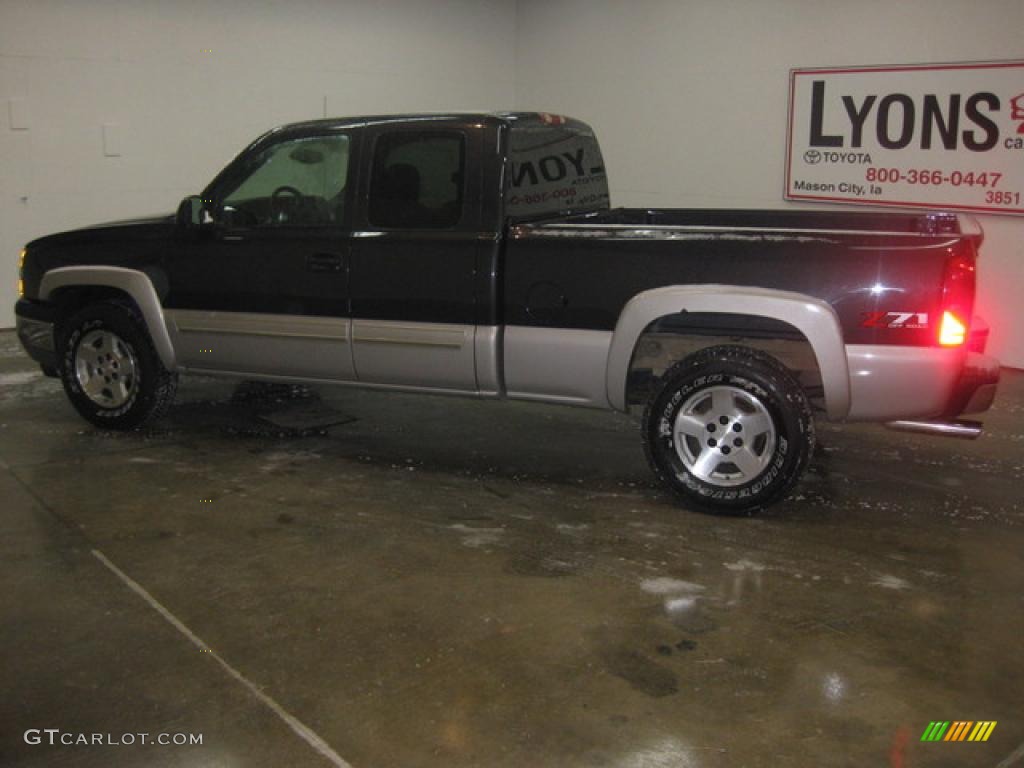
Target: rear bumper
(975,389)
(973,392)
(35,324)
(890,383)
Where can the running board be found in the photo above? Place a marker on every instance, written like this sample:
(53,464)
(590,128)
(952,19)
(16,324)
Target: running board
(965,430)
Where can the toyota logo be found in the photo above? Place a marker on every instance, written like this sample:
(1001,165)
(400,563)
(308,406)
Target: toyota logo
(812,157)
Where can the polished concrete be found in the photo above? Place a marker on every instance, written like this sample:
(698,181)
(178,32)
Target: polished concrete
(423,581)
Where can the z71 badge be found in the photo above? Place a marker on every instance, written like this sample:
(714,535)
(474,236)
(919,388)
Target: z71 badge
(894,320)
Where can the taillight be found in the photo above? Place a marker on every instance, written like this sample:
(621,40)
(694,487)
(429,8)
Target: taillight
(957,300)
(952,333)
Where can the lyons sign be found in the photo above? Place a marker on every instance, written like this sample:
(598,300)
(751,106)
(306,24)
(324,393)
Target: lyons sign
(935,136)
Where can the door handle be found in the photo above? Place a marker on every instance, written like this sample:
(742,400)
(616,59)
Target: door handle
(324,262)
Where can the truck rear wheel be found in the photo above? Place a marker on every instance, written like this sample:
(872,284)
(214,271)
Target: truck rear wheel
(110,369)
(729,430)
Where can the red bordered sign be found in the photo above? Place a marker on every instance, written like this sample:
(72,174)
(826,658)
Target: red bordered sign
(945,136)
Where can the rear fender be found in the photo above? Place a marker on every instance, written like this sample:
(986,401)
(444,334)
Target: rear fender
(814,318)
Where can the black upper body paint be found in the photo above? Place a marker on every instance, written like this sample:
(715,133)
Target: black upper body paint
(527,238)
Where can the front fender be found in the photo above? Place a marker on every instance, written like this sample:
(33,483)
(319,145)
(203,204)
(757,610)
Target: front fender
(132,282)
(814,318)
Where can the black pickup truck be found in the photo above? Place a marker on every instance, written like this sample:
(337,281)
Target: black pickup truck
(477,254)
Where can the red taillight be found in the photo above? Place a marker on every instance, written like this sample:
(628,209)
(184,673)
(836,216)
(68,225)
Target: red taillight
(952,333)
(957,300)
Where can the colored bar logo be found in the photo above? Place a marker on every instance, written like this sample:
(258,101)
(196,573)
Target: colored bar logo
(958,730)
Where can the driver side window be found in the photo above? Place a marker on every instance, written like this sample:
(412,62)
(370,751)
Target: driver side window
(293,183)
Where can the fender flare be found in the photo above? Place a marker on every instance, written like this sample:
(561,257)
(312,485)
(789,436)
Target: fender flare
(814,318)
(133,282)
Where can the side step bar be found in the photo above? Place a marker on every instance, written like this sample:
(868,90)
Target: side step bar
(965,430)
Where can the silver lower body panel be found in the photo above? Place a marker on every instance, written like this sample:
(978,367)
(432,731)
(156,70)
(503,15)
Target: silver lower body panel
(435,355)
(557,365)
(894,382)
(423,357)
(276,345)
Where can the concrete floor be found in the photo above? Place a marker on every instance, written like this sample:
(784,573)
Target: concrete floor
(441,582)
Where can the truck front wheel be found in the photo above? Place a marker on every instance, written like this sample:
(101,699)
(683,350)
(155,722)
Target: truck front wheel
(110,369)
(729,430)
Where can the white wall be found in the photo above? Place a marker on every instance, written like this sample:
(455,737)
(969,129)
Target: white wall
(689,97)
(184,112)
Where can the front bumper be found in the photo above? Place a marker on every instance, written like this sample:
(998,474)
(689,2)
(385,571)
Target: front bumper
(35,322)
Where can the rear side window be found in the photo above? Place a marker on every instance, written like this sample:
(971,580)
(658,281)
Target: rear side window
(555,168)
(417,180)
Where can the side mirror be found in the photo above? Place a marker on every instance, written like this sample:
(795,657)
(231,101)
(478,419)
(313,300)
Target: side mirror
(193,213)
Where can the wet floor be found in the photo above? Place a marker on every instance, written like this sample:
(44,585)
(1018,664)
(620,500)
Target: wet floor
(331,576)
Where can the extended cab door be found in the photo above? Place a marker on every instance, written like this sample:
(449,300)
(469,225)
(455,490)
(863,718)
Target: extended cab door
(264,290)
(413,258)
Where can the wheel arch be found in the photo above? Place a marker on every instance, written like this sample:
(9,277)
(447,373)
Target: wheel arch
(87,283)
(813,319)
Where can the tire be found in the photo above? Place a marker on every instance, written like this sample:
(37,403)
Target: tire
(110,369)
(729,430)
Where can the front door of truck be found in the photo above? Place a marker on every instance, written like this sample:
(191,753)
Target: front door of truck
(264,290)
(413,259)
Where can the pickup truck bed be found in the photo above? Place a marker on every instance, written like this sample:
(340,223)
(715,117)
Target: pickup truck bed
(872,271)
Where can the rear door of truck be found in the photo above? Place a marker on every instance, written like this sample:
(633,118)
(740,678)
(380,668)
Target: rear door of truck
(414,256)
